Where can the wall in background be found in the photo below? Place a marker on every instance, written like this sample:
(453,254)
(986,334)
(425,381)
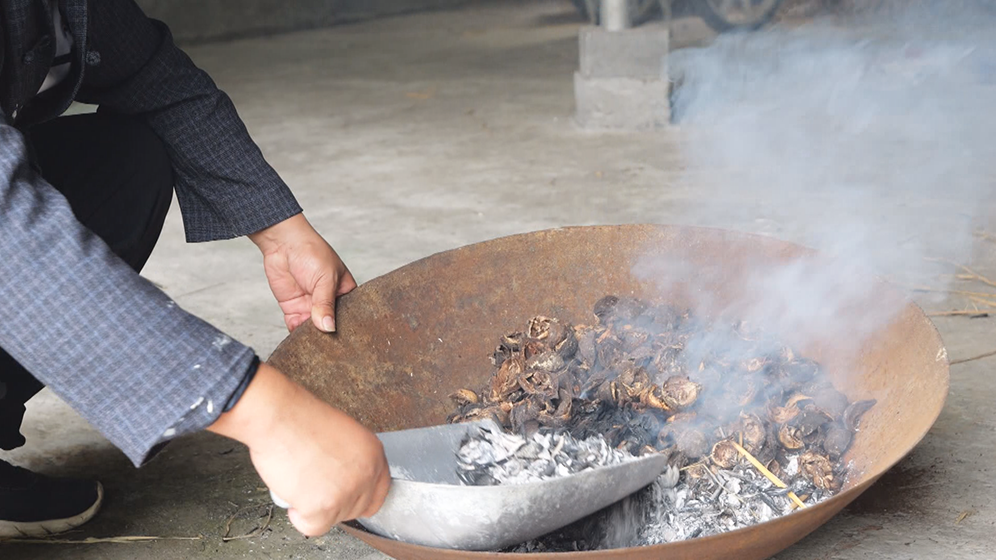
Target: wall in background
(195,21)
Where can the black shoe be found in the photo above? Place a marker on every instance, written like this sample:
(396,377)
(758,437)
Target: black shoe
(34,505)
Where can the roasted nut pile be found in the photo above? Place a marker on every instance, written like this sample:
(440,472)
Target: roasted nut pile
(655,379)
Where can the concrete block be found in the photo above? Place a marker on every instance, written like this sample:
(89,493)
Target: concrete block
(621,103)
(637,53)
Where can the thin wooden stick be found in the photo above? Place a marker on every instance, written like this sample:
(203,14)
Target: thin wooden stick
(770,475)
(973,358)
(943,291)
(803,497)
(970,274)
(980,278)
(228,524)
(259,530)
(969,312)
(983,301)
(95,540)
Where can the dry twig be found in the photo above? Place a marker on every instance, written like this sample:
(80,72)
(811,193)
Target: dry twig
(96,540)
(953,292)
(969,273)
(968,312)
(258,530)
(983,301)
(985,235)
(973,358)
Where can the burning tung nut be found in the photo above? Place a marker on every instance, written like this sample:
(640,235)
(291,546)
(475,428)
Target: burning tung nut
(724,454)
(789,437)
(630,382)
(464,397)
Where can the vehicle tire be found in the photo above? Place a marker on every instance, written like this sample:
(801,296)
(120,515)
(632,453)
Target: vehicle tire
(640,11)
(727,15)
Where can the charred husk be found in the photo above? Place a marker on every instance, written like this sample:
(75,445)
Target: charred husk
(650,378)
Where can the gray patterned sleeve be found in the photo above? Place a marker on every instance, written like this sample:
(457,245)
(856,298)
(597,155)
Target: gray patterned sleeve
(134,364)
(223,183)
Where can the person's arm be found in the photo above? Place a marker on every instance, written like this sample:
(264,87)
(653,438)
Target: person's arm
(327,466)
(224,186)
(134,364)
(143,371)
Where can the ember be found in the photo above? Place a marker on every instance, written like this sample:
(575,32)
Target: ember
(653,379)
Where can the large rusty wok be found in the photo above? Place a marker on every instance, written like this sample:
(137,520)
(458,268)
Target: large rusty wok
(408,339)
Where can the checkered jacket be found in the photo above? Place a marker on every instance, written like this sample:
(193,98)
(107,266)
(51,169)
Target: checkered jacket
(138,367)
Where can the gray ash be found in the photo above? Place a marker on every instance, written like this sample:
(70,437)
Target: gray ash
(493,457)
(702,500)
(720,501)
(674,509)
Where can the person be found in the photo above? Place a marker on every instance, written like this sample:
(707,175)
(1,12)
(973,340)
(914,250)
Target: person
(83,199)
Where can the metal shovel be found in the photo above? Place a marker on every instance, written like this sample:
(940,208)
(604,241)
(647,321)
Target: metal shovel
(427,505)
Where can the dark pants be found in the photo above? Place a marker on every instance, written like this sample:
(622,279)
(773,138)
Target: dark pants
(117,176)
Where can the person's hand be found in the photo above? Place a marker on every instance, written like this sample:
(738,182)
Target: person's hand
(326,465)
(305,273)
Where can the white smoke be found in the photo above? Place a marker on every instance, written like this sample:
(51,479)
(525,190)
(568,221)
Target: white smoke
(868,140)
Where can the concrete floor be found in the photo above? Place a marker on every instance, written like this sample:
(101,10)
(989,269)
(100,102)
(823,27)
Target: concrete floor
(408,136)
